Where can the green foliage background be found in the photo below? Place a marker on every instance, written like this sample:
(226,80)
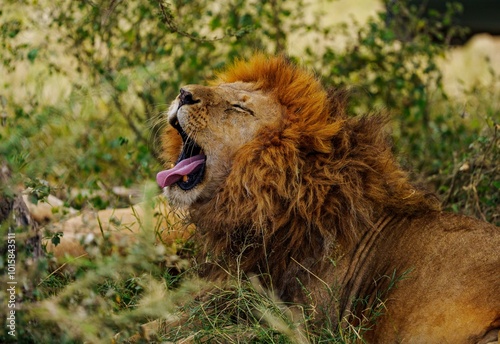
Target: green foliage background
(83,85)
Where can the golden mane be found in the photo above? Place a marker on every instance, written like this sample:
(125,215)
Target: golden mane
(309,186)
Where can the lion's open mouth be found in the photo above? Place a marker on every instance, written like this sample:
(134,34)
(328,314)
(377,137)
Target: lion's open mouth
(189,168)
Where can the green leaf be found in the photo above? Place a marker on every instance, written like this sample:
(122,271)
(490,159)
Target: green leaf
(122,84)
(56,239)
(32,54)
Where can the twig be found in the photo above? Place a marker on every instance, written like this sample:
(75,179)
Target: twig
(168,19)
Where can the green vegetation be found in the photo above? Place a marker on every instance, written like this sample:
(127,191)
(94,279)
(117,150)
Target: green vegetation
(83,86)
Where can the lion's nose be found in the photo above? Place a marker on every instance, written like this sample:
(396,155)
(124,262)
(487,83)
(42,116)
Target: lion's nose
(186,98)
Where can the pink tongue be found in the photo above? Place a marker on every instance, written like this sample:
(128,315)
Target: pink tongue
(183,168)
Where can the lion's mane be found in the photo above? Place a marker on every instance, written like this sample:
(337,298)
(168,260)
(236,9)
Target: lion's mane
(304,189)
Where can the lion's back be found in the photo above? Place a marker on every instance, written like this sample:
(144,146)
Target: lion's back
(452,278)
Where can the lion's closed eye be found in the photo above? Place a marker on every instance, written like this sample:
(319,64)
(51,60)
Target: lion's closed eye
(240,108)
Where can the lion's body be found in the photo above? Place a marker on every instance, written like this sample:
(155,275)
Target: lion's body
(450,289)
(282,184)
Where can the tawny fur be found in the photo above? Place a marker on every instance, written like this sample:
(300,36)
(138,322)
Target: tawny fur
(317,185)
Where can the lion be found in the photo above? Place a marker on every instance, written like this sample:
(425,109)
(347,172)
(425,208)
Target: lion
(281,183)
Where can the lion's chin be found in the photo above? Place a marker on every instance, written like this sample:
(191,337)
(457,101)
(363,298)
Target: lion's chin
(182,198)
(202,193)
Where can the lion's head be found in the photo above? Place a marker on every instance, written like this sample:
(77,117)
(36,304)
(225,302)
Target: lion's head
(214,123)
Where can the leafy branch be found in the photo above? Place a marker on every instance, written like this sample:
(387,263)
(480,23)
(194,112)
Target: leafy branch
(168,19)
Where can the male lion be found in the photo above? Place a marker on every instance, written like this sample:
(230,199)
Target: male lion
(282,184)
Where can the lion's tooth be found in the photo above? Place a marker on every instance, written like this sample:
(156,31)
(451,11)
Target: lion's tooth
(185,178)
